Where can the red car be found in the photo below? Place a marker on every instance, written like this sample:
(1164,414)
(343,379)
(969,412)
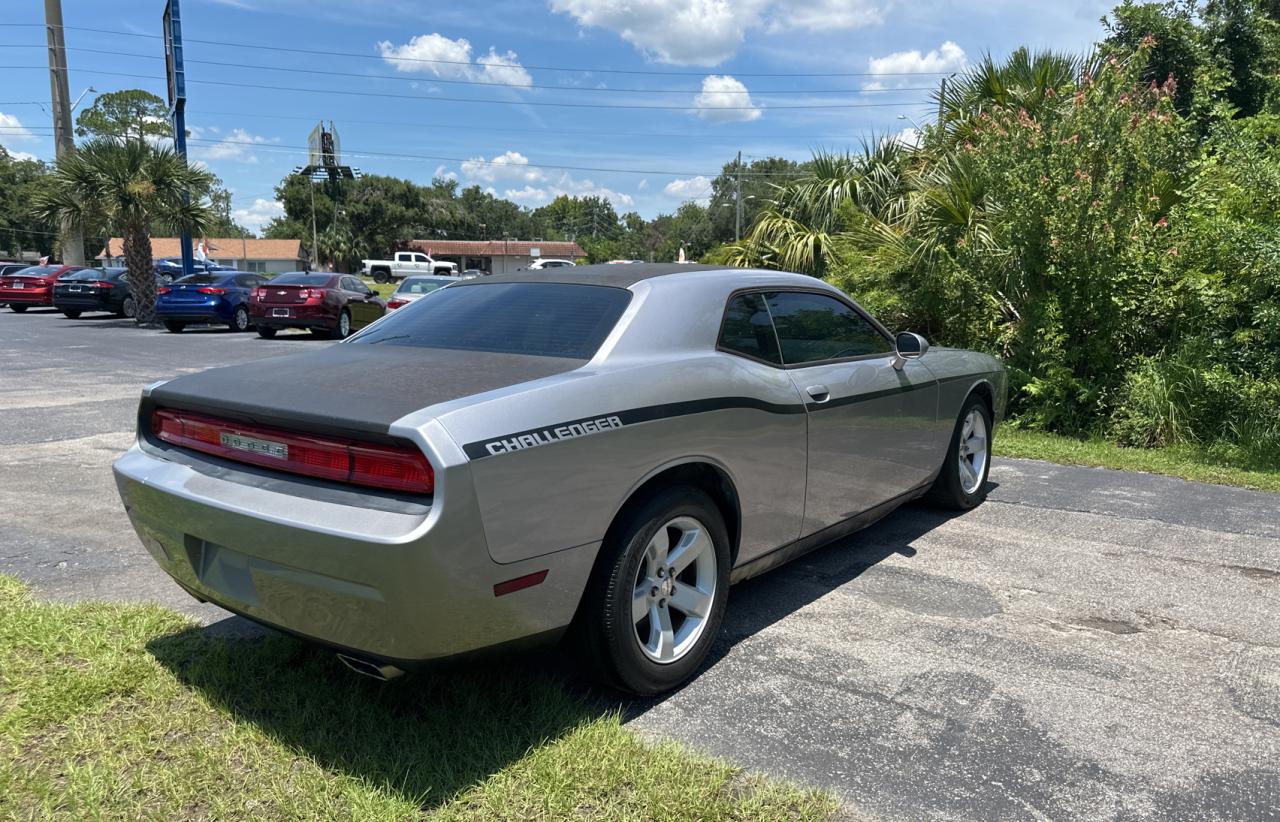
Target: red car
(32,286)
(332,305)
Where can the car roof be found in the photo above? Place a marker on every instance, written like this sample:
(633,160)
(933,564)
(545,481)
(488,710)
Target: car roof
(618,276)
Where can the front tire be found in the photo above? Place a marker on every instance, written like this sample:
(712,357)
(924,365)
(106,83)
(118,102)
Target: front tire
(962,483)
(656,599)
(174,327)
(71,315)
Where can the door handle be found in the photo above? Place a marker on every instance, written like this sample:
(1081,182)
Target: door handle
(818,392)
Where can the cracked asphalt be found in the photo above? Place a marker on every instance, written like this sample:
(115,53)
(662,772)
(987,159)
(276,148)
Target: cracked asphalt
(1086,644)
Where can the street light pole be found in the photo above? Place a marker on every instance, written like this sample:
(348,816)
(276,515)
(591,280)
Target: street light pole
(737,195)
(63,141)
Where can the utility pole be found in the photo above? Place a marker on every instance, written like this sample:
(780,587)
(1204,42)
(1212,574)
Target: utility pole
(64,143)
(737,196)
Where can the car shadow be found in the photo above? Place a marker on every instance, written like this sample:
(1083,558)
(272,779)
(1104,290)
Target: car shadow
(422,737)
(429,735)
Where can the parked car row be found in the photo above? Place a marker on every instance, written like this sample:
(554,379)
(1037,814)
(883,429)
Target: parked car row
(327,304)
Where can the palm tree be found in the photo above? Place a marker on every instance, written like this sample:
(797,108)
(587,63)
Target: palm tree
(339,247)
(128,186)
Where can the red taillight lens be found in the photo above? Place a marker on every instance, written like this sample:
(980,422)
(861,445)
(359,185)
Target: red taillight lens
(396,303)
(360,463)
(208,290)
(258,293)
(164,289)
(102,284)
(311,293)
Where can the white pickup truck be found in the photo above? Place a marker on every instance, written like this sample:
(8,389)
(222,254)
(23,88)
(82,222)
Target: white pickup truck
(404,264)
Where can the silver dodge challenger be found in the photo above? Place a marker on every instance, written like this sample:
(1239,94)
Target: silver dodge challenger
(596,451)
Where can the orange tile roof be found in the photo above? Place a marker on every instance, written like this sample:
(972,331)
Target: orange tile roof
(491,248)
(219,248)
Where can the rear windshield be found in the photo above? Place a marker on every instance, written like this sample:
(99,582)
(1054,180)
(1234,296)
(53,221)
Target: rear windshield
(542,319)
(300,278)
(418,285)
(36,271)
(94,274)
(201,279)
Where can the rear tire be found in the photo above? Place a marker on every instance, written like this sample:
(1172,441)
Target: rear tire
(343,329)
(128,308)
(962,483)
(647,620)
(266,332)
(71,315)
(18,309)
(381,277)
(174,327)
(240,320)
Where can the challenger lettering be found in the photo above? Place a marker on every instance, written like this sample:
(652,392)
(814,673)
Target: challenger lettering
(546,436)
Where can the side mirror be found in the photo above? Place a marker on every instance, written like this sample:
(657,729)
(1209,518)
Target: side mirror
(908,346)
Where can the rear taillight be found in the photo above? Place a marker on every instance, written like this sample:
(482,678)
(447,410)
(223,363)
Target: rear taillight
(341,460)
(396,303)
(164,289)
(311,293)
(209,290)
(258,294)
(101,284)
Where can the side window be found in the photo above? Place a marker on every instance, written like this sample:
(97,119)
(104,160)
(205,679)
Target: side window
(815,327)
(420,258)
(349,284)
(246,281)
(747,329)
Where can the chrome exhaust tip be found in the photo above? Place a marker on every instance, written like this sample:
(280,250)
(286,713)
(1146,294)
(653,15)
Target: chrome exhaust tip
(370,669)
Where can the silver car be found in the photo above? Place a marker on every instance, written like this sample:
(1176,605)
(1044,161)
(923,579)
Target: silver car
(417,287)
(601,450)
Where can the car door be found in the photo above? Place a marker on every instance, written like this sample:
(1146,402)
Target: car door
(364,309)
(871,416)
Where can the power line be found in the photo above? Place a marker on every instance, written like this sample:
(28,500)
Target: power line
(591,70)
(439,99)
(442,80)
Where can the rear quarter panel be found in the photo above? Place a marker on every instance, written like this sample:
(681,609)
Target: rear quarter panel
(549,497)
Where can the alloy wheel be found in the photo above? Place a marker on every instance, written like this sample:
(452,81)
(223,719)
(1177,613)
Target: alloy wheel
(674,590)
(973,451)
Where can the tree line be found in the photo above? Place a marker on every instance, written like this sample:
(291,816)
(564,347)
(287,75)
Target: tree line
(1107,223)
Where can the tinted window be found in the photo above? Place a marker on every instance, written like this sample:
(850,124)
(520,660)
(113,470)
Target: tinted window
(815,327)
(199,279)
(93,274)
(419,258)
(418,285)
(543,319)
(748,330)
(38,270)
(301,278)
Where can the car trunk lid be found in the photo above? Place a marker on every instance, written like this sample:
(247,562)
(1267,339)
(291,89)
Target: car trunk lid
(188,292)
(285,294)
(350,388)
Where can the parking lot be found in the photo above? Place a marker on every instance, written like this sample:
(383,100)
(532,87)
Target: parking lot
(1085,644)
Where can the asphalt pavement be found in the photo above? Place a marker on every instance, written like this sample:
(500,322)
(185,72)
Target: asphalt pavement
(1086,644)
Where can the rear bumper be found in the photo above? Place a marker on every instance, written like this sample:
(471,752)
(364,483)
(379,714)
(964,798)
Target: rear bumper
(82,304)
(300,316)
(26,297)
(403,585)
(192,313)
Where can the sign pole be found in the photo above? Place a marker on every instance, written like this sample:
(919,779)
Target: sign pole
(177,106)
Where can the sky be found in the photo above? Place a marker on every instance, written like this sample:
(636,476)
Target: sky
(640,101)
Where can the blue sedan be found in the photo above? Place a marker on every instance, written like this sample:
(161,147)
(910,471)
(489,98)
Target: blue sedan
(218,297)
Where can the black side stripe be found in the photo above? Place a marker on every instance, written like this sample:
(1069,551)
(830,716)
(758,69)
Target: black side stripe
(572,429)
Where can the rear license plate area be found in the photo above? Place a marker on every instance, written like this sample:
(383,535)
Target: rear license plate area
(280,312)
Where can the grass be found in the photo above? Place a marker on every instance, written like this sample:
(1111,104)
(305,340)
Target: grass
(1185,462)
(131,711)
(381,289)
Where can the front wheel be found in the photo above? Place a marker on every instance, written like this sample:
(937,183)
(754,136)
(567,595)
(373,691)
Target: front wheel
(656,600)
(962,483)
(71,315)
(174,327)
(240,319)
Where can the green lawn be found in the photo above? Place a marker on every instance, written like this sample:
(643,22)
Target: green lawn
(131,711)
(1183,462)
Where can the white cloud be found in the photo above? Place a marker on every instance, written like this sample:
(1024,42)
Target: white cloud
(453,60)
(695,188)
(237,146)
(12,129)
(256,216)
(909,137)
(725,100)
(540,185)
(947,58)
(642,185)
(20,155)
(708,32)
